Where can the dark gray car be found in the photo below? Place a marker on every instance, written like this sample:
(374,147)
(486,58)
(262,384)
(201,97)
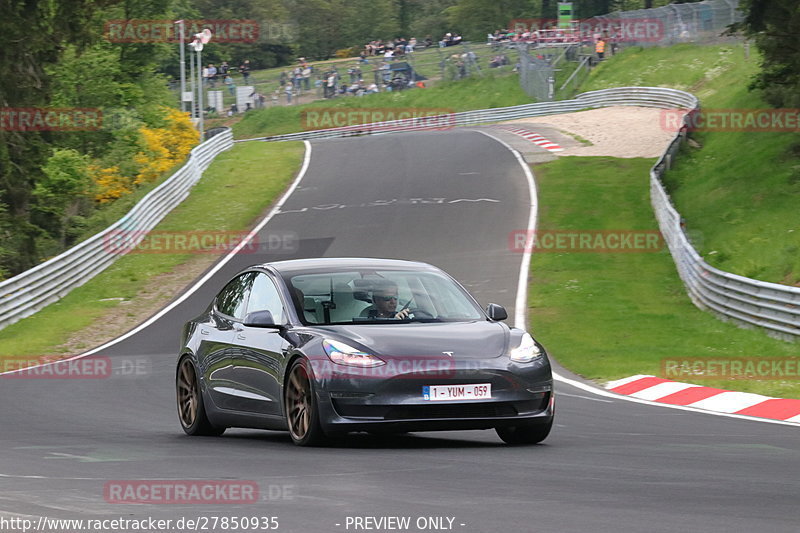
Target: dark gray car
(323,347)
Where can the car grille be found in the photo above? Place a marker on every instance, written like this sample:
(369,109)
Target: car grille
(434,411)
(475,410)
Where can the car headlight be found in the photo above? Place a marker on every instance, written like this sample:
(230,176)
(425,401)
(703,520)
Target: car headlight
(343,354)
(527,350)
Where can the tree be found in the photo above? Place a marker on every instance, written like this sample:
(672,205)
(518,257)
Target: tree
(774,26)
(475,18)
(272,48)
(7,237)
(34,33)
(429,18)
(63,193)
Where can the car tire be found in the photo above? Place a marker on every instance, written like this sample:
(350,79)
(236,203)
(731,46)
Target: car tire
(528,434)
(300,404)
(191,409)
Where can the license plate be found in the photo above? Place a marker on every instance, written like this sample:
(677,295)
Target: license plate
(473,391)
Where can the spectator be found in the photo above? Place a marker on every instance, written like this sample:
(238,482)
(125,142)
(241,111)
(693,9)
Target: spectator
(212,75)
(298,79)
(258,99)
(244,70)
(230,84)
(307,72)
(223,69)
(288,90)
(386,73)
(600,48)
(330,86)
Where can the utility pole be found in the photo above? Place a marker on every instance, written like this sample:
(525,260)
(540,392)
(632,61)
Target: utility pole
(183,65)
(200,39)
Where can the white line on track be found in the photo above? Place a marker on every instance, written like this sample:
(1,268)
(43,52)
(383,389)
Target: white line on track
(222,262)
(522,305)
(519,309)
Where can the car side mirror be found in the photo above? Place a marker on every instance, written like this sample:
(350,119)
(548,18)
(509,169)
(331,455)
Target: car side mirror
(496,312)
(260,319)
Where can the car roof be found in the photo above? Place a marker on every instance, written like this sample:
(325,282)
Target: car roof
(327,263)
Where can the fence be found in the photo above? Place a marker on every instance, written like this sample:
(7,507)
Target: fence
(537,77)
(663,26)
(676,23)
(644,96)
(32,290)
(769,305)
(434,63)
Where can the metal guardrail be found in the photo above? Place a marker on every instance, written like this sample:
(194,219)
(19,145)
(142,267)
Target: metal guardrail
(632,96)
(772,306)
(769,305)
(47,282)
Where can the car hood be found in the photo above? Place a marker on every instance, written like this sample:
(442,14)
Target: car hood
(466,340)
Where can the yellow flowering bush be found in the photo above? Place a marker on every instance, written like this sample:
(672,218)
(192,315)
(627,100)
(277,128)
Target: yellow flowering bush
(165,147)
(110,183)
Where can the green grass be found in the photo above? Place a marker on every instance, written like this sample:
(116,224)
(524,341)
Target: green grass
(611,315)
(685,66)
(425,62)
(739,193)
(474,93)
(237,187)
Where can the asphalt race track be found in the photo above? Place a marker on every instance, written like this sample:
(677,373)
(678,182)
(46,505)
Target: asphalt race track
(449,198)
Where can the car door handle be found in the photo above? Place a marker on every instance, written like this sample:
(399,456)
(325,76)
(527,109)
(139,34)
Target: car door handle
(203,332)
(241,336)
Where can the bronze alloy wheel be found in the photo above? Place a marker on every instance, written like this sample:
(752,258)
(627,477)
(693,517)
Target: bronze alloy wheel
(191,410)
(187,393)
(301,408)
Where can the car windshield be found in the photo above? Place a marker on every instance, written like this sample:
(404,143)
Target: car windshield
(380,296)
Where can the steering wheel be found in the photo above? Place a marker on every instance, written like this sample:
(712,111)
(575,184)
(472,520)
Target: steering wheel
(419,313)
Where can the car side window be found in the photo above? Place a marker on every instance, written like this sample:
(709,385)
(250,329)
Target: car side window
(265,297)
(232,300)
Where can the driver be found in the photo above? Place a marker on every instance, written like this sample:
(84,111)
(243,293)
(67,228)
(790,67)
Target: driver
(384,302)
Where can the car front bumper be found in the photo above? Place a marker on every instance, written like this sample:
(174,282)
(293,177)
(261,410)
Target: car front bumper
(390,398)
